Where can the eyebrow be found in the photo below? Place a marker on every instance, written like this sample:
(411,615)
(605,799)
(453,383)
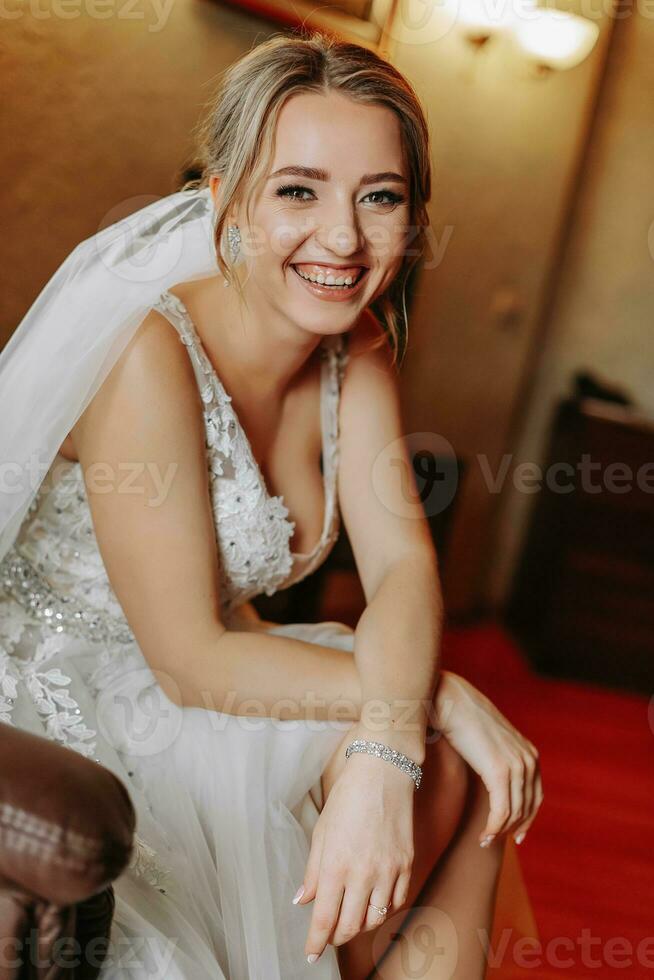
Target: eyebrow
(313,173)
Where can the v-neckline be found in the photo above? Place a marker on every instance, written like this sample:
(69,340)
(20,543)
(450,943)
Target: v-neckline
(213,374)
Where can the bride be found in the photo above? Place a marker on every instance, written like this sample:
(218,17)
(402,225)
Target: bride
(201,446)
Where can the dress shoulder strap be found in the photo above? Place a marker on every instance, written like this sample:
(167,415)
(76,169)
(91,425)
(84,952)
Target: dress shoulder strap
(335,358)
(168,306)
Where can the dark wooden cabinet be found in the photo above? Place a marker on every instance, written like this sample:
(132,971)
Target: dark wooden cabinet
(582,602)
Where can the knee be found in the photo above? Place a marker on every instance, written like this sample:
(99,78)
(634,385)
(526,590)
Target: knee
(441,806)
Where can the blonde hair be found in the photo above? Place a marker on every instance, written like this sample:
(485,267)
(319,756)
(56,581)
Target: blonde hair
(236,136)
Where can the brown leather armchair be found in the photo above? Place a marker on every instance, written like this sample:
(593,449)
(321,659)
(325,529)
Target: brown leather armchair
(66,832)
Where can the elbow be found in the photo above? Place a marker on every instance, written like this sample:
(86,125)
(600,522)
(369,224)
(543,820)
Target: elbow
(188,674)
(173,686)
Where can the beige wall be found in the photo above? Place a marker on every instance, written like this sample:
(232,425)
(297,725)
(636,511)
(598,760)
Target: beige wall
(99,111)
(603,314)
(506,146)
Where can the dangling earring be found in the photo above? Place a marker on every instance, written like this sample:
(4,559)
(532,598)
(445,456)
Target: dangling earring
(234,242)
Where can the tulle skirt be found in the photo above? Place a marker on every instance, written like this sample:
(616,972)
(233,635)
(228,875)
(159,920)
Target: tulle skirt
(225,806)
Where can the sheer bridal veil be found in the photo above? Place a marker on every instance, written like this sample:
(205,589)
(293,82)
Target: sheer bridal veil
(76,329)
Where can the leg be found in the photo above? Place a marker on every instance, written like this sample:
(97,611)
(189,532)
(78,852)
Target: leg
(440,935)
(449,811)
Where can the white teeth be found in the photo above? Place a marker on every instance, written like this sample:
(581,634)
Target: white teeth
(327,280)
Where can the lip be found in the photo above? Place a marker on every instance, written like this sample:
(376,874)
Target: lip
(333,294)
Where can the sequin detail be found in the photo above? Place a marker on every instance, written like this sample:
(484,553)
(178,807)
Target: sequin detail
(20,579)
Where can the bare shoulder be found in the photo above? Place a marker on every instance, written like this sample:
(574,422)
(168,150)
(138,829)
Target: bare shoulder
(378,498)
(156,357)
(153,377)
(370,362)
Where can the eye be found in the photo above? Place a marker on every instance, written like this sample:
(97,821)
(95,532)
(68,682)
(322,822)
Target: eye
(292,191)
(391,197)
(296,192)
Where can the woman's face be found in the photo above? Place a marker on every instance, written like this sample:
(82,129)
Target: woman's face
(334,209)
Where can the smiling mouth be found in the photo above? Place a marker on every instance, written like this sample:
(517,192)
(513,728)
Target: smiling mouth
(324,280)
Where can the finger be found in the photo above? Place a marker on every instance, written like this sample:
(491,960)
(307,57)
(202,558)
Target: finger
(537,802)
(352,913)
(499,798)
(529,792)
(401,891)
(380,898)
(325,912)
(518,780)
(312,870)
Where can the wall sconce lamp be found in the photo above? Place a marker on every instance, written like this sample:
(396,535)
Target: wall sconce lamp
(551,39)
(554,40)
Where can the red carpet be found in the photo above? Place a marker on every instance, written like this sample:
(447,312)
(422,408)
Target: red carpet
(588,860)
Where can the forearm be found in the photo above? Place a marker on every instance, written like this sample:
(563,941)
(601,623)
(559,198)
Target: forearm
(397,653)
(269,675)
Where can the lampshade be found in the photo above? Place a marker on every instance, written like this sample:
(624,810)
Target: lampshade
(555,39)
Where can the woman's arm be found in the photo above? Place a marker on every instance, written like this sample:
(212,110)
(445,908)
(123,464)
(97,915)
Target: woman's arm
(245,673)
(141,444)
(396,647)
(397,638)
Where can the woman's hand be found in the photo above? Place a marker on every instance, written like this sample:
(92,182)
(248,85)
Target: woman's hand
(506,762)
(361,850)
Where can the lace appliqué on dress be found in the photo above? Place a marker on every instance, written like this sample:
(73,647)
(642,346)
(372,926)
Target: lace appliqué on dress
(252,527)
(146,864)
(47,686)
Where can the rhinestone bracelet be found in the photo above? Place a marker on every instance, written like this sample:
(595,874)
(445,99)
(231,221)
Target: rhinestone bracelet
(390,755)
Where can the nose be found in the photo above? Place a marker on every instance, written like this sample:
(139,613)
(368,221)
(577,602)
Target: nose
(340,232)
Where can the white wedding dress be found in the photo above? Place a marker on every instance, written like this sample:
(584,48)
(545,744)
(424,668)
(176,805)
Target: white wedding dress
(225,805)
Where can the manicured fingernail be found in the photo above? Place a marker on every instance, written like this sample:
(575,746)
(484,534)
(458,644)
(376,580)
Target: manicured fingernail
(298,895)
(519,839)
(312,957)
(487,840)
